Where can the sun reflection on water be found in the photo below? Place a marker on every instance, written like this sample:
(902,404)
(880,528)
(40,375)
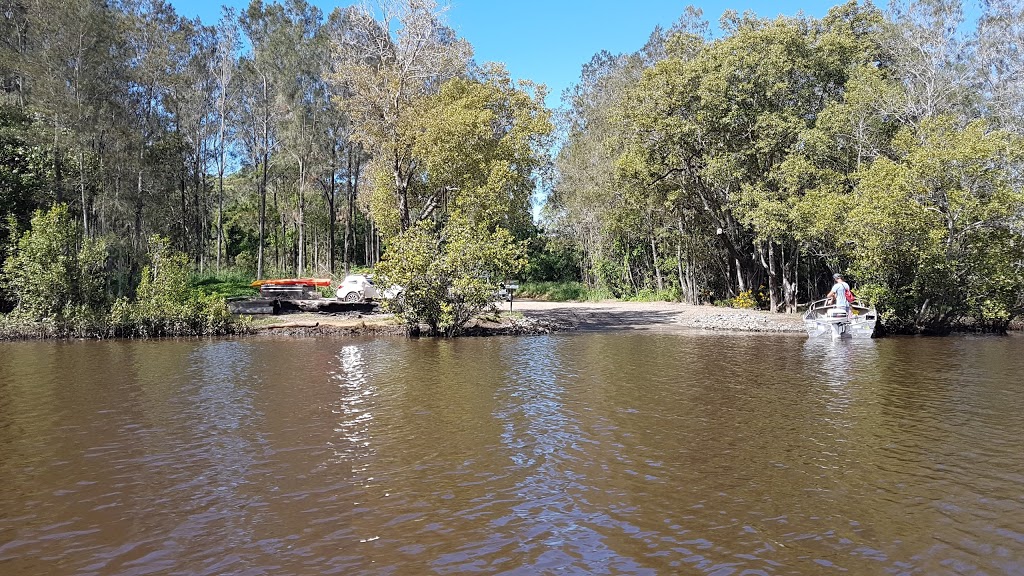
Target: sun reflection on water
(353,411)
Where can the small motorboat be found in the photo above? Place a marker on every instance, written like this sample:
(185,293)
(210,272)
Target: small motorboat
(822,319)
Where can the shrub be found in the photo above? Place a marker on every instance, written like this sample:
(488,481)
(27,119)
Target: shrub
(56,274)
(745,299)
(166,304)
(448,276)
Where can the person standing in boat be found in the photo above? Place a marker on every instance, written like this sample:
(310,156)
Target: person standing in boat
(837,294)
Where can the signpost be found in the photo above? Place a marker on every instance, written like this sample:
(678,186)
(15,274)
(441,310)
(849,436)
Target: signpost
(511,286)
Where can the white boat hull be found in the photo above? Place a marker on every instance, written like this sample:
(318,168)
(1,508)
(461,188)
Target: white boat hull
(834,322)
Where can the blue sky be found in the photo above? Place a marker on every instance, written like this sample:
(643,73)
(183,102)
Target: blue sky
(549,41)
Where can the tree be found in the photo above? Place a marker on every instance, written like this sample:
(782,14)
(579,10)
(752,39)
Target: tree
(936,233)
(302,58)
(384,68)
(720,129)
(224,66)
(448,275)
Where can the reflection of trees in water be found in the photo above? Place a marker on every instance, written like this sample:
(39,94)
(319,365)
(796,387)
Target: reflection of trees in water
(220,441)
(841,367)
(552,519)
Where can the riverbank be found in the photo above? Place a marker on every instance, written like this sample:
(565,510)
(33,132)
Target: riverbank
(658,316)
(537,317)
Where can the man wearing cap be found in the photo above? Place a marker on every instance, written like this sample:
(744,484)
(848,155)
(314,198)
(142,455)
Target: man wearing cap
(838,293)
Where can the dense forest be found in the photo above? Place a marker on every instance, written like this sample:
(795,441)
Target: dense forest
(757,163)
(138,147)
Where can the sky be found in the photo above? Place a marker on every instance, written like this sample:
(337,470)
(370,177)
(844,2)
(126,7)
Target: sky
(549,41)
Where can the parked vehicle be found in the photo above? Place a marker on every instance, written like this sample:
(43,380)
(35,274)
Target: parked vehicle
(357,287)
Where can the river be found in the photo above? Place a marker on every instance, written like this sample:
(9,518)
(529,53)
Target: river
(578,453)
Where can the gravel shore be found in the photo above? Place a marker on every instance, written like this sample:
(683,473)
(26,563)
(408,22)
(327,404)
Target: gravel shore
(536,317)
(658,316)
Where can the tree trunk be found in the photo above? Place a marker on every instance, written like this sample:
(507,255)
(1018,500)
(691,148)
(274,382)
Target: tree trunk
(301,264)
(220,187)
(683,288)
(263,181)
(81,186)
(138,208)
(402,191)
(184,211)
(57,174)
(790,279)
(332,216)
(654,260)
(773,279)
(260,260)
(220,213)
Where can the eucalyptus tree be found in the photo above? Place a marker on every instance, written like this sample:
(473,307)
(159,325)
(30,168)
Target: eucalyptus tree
(155,48)
(193,97)
(301,57)
(68,63)
(384,68)
(259,110)
(625,229)
(585,192)
(341,158)
(225,62)
(999,62)
(14,45)
(928,51)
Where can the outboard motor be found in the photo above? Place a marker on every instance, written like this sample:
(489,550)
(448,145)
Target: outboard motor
(838,319)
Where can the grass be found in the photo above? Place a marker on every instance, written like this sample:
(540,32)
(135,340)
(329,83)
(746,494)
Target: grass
(229,284)
(560,292)
(579,292)
(651,295)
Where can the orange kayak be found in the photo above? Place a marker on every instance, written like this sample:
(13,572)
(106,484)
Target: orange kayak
(313,282)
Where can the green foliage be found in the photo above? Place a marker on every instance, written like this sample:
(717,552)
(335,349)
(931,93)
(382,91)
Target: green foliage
(54,274)
(560,291)
(652,295)
(227,284)
(60,282)
(448,276)
(166,304)
(482,141)
(551,259)
(935,233)
(23,177)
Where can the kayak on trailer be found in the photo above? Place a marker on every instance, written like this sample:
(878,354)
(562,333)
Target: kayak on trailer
(312,282)
(293,288)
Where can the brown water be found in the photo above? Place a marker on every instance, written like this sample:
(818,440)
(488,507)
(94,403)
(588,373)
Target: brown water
(588,453)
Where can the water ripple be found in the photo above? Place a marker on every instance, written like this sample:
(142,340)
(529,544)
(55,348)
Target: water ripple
(581,454)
